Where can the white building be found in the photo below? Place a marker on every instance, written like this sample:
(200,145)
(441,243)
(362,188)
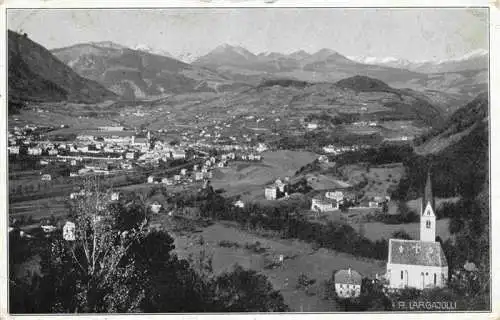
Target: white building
(419,263)
(167,181)
(270,192)
(115,196)
(155,207)
(321,203)
(336,195)
(198,176)
(239,204)
(312,126)
(130,155)
(69,230)
(151,179)
(110,128)
(261,147)
(348,283)
(35,151)
(178,154)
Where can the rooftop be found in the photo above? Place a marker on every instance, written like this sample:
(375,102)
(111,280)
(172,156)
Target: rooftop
(348,277)
(416,252)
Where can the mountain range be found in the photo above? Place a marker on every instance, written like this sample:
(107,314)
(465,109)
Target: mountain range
(475,60)
(35,74)
(145,73)
(138,74)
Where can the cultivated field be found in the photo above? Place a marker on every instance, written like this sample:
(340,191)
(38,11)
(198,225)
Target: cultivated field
(299,258)
(249,178)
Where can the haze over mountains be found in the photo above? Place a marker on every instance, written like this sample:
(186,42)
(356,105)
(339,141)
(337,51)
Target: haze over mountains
(147,73)
(476,60)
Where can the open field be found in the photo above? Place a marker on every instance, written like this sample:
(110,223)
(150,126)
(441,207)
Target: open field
(39,209)
(242,178)
(316,264)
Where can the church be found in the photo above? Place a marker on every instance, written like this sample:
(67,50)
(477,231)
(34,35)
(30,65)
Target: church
(419,263)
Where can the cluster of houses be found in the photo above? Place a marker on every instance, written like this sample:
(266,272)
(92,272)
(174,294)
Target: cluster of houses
(336,150)
(331,200)
(23,138)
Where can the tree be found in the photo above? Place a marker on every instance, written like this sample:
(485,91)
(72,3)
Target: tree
(93,273)
(246,290)
(401,234)
(173,286)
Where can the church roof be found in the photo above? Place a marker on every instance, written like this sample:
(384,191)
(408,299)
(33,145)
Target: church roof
(416,252)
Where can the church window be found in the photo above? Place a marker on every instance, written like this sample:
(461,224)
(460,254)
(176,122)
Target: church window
(435,279)
(427,273)
(401,274)
(428,224)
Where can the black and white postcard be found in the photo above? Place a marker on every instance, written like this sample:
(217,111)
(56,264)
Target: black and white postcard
(247,159)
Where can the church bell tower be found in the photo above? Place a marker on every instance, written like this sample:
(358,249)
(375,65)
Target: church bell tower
(427,215)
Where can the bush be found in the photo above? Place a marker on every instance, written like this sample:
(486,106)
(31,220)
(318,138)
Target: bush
(228,244)
(303,281)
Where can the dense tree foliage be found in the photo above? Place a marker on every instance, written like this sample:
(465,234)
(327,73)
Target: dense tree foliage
(246,291)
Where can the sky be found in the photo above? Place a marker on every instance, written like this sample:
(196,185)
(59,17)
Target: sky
(413,34)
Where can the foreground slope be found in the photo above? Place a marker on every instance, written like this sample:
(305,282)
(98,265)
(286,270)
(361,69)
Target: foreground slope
(34,74)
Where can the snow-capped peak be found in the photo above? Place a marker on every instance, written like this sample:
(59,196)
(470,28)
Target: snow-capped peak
(187,57)
(473,54)
(148,49)
(143,47)
(403,62)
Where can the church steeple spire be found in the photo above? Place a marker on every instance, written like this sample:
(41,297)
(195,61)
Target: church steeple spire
(428,195)
(427,215)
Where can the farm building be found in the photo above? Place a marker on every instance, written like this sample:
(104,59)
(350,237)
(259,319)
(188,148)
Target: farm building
(276,190)
(321,203)
(239,204)
(348,283)
(178,154)
(115,196)
(156,207)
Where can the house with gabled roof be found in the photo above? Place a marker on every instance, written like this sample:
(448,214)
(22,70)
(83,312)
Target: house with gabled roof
(348,283)
(420,263)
